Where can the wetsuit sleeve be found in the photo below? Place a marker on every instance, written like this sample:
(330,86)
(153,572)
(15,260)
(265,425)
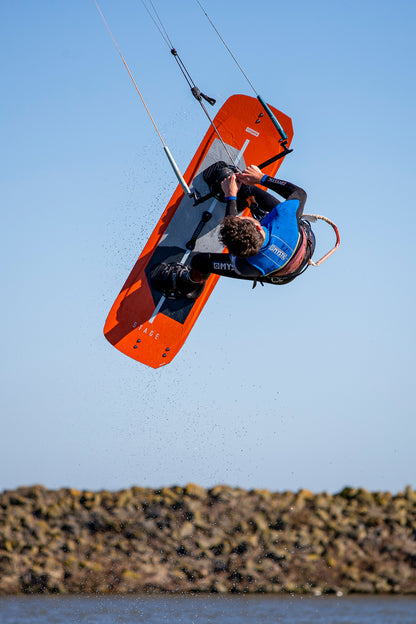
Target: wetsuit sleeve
(288,190)
(231,208)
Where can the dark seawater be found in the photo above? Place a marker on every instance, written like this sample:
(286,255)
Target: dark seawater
(207,609)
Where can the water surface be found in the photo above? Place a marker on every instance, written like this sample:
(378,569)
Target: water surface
(207,609)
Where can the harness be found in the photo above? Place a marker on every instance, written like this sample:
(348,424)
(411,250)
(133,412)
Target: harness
(298,263)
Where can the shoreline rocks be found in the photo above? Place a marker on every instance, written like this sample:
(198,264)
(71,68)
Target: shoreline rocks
(192,539)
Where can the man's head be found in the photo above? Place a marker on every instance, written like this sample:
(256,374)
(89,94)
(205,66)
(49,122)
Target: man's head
(243,236)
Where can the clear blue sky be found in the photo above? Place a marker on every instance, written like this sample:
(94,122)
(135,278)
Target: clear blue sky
(309,385)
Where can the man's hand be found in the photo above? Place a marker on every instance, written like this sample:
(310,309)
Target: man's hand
(251,175)
(231,186)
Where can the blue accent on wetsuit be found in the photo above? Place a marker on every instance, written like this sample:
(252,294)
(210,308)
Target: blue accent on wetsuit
(282,237)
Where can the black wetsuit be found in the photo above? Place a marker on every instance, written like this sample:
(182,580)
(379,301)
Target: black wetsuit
(224,263)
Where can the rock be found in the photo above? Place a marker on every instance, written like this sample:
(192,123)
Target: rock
(195,491)
(219,540)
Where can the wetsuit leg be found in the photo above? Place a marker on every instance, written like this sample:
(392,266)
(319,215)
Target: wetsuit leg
(219,263)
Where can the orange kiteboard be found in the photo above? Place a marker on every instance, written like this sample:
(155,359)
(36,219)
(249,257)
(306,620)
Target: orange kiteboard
(142,323)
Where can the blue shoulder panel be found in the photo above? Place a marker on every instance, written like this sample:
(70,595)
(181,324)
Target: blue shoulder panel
(282,236)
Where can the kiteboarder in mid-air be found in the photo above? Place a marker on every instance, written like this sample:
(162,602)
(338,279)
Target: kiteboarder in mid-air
(274,244)
(179,265)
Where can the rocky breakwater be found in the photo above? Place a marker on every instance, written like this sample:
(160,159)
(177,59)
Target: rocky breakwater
(196,540)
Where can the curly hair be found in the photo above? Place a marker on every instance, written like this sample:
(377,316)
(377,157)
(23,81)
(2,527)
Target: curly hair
(240,236)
